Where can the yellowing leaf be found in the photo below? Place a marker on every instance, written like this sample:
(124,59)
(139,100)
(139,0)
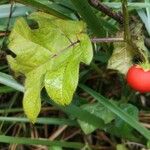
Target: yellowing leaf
(32,100)
(61,84)
(121,58)
(123,53)
(48,56)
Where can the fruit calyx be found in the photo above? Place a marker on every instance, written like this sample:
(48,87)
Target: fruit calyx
(144,66)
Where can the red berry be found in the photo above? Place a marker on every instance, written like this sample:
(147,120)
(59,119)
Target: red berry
(139,79)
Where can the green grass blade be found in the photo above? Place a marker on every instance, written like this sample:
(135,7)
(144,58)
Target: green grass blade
(90,18)
(12,110)
(29,141)
(9,81)
(50,121)
(18,10)
(44,6)
(116,110)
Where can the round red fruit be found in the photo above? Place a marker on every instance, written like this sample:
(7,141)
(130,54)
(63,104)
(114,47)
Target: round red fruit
(139,79)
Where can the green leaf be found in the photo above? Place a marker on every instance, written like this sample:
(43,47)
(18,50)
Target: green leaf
(32,100)
(123,53)
(145,16)
(116,110)
(98,110)
(48,56)
(139,41)
(86,127)
(61,84)
(121,58)
(120,128)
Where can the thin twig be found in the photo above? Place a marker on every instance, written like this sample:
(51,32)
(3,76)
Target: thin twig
(106,10)
(2,34)
(106,40)
(72,135)
(57,132)
(146,125)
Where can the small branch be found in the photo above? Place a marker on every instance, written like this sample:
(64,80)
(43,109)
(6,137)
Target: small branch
(146,125)
(106,40)
(57,132)
(2,34)
(106,10)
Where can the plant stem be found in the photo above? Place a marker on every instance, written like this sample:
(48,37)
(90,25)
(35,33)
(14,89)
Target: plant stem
(106,10)
(40,141)
(127,35)
(106,40)
(96,68)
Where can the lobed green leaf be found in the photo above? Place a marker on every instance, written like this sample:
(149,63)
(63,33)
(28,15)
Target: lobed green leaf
(48,56)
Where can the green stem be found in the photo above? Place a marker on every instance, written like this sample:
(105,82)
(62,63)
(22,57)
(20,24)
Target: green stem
(127,35)
(49,121)
(45,142)
(96,68)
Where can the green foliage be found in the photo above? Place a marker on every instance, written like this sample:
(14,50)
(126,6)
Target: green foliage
(48,51)
(98,110)
(94,23)
(119,112)
(48,56)
(123,53)
(145,16)
(121,128)
(121,58)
